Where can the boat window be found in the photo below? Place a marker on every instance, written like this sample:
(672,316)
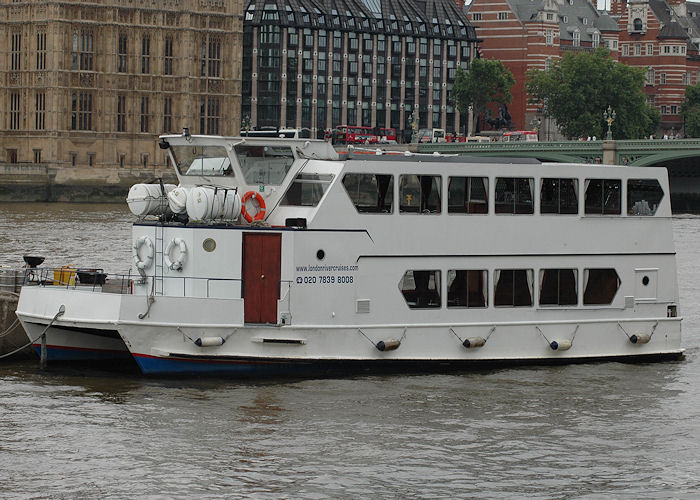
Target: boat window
(559,196)
(264,164)
(307,189)
(514,195)
(558,287)
(468,195)
(421,289)
(370,193)
(603,196)
(513,287)
(466,288)
(202,160)
(600,286)
(419,194)
(643,196)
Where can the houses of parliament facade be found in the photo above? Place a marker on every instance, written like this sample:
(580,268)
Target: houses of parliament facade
(92,84)
(88,84)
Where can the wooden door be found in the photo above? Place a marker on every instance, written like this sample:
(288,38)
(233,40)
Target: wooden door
(262,253)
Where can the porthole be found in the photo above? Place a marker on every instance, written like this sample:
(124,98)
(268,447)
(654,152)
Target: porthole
(645,280)
(320,254)
(209,245)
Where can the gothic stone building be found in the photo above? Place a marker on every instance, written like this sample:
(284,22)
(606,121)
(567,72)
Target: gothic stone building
(93,84)
(377,63)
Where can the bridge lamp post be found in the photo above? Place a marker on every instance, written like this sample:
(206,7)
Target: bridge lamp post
(609,116)
(246,124)
(536,123)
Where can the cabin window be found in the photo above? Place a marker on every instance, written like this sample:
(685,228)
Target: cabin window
(643,196)
(370,193)
(466,288)
(514,195)
(419,194)
(513,287)
(558,287)
(559,196)
(307,189)
(603,196)
(600,286)
(468,195)
(202,160)
(421,289)
(264,164)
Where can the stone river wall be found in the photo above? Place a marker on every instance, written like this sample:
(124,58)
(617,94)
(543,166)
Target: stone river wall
(36,182)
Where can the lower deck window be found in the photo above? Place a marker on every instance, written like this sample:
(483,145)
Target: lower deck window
(558,287)
(421,289)
(514,195)
(600,286)
(603,196)
(466,288)
(513,287)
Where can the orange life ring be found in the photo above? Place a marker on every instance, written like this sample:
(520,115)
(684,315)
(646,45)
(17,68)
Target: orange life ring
(260,215)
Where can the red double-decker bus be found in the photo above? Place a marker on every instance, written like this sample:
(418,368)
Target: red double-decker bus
(344,134)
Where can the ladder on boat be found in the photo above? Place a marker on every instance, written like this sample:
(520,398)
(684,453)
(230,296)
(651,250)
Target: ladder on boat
(158,262)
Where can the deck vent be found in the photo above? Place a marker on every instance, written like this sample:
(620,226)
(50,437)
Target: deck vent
(295,222)
(629,302)
(362,306)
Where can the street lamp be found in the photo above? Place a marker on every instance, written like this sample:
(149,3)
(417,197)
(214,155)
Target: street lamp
(535,123)
(246,124)
(609,116)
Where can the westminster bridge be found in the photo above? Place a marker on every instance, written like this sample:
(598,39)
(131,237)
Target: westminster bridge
(680,156)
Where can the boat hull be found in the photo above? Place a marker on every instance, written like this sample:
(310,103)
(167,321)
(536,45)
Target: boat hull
(86,331)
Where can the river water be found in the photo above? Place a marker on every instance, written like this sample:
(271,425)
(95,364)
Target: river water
(606,430)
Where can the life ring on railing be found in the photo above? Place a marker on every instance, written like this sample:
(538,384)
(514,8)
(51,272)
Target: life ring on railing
(145,263)
(260,215)
(175,264)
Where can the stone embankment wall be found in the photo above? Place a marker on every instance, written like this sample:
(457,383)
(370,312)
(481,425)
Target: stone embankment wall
(12,334)
(20,182)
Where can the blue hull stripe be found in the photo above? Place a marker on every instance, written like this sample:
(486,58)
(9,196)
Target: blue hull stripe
(54,353)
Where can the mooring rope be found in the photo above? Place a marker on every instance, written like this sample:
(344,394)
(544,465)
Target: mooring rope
(9,329)
(60,312)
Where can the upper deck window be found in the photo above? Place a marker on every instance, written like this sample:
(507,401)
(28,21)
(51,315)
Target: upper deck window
(419,194)
(514,195)
(559,196)
(264,164)
(370,193)
(307,189)
(603,196)
(202,160)
(643,196)
(468,195)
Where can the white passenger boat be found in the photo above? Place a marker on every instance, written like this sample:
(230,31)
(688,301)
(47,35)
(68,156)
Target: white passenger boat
(276,257)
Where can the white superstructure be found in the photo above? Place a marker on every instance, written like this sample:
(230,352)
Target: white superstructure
(277,257)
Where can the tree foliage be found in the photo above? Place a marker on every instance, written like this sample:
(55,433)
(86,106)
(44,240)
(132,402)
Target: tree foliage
(690,111)
(579,88)
(487,81)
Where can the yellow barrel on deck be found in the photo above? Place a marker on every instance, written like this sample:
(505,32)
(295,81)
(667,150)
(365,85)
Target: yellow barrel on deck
(64,276)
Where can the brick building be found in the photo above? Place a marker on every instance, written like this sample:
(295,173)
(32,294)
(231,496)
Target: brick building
(660,35)
(93,84)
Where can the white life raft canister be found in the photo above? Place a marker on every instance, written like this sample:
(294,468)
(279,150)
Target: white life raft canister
(177,200)
(206,203)
(148,199)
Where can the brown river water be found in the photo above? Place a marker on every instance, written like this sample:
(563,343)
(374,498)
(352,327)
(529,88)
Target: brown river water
(607,430)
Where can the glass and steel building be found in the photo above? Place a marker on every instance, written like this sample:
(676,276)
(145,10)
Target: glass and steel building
(376,63)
